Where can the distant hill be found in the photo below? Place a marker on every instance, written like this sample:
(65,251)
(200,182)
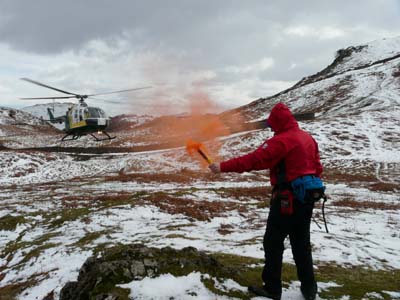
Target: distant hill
(356,101)
(361,78)
(40,111)
(14,122)
(128,121)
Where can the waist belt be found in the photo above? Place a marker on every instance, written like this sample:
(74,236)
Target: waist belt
(303,183)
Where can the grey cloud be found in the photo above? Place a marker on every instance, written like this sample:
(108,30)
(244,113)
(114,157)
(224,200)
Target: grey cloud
(197,35)
(54,25)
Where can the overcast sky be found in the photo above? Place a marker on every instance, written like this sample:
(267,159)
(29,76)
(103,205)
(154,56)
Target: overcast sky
(232,51)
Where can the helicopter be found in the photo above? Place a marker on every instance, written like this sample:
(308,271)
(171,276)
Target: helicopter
(80,119)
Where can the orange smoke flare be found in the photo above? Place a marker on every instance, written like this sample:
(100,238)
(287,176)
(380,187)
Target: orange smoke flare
(192,146)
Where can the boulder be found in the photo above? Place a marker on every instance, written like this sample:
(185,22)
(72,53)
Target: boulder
(99,276)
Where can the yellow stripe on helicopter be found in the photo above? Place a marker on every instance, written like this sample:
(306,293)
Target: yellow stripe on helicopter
(78,124)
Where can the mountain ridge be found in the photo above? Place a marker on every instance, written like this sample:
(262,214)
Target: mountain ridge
(348,61)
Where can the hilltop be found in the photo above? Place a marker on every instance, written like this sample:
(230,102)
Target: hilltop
(361,78)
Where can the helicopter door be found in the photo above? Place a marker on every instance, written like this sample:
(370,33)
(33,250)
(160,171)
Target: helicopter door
(75,117)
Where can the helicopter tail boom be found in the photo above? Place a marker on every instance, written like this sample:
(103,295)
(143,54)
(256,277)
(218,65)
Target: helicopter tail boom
(53,119)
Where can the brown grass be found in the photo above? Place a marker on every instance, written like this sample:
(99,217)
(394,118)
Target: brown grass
(261,193)
(332,175)
(225,229)
(175,202)
(366,204)
(89,200)
(384,187)
(367,180)
(183,176)
(198,210)
(10,291)
(49,296)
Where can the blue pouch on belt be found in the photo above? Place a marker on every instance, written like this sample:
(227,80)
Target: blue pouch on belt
(304,183)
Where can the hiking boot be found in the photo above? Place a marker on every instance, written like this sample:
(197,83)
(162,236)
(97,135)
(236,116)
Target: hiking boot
(309,293)
(263,292)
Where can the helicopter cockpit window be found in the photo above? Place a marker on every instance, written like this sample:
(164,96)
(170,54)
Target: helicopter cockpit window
(102,113)
(95,112)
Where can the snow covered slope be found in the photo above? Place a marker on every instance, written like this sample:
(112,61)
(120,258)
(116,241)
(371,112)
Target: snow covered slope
(362,78)
(14,122)
(40,111)
(9,116)
(357,105)
(128,121)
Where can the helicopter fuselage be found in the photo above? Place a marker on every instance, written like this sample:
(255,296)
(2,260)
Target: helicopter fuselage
(81,119)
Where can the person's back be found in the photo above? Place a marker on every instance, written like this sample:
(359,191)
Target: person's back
(301,156)
(290,143)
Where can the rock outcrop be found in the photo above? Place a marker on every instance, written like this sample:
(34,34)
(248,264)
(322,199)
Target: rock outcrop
(98,277)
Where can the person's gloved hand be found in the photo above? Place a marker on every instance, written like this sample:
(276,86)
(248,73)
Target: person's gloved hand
(215,168)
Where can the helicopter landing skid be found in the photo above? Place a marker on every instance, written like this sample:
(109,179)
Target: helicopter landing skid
(104,139)
(74,137)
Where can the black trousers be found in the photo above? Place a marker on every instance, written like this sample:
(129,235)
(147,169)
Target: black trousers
(297,227)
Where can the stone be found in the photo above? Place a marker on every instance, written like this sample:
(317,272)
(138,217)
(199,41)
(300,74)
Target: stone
(125,263)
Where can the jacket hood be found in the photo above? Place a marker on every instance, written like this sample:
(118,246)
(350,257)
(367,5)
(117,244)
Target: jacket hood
(281,119)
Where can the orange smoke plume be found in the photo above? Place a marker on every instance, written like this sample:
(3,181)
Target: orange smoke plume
(193,146)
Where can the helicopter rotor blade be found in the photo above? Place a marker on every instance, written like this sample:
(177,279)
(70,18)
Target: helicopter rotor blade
(44,98)
(107,101)
(151,105)
(47,86)
(121,91)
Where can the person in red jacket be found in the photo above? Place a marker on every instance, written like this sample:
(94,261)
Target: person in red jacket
(290,154)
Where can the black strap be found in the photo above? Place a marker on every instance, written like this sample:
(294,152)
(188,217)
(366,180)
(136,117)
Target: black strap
(281,173)
(323,213)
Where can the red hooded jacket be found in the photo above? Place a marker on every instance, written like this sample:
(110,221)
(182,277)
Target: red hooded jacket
(298,149)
